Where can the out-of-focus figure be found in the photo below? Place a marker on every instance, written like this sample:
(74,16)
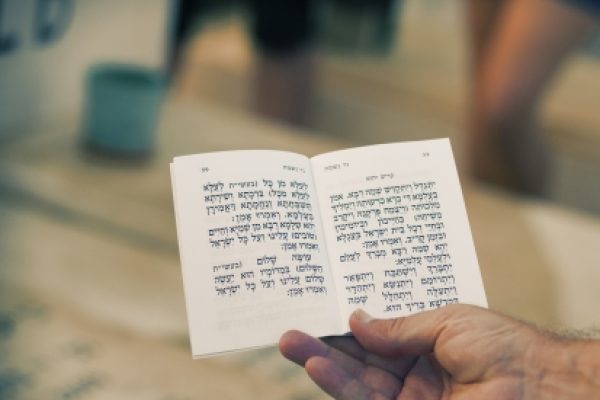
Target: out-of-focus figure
(517,47)
(283,32)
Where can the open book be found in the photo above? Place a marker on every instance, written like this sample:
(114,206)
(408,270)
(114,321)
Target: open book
(271,241)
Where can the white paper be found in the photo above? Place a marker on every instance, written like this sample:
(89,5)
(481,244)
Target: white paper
(251,249)
(397,232)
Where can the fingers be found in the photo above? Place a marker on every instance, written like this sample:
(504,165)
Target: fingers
(298,347)
(413,335)
(424,382)
(301,349)
(348,345)
(338,383)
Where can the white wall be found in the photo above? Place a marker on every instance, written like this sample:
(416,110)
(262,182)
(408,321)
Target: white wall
(38,83)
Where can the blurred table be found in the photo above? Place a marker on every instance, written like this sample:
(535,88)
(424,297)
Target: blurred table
(91,292)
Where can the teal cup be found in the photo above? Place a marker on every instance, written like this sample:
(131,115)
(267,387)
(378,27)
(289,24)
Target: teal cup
(122,107)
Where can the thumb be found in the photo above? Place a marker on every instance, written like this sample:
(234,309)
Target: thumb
(412,335)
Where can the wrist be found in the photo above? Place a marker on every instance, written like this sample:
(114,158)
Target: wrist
(565,369)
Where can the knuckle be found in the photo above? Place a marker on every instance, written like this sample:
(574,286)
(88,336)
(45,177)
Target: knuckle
(393,327)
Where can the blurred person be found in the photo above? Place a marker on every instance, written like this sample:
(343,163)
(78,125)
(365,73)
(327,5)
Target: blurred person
(455,352)
(518,46)
(283,32)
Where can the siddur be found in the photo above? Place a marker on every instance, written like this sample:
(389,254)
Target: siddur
(271,241)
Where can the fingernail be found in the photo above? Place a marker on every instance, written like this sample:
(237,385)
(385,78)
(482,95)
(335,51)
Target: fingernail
(362,316)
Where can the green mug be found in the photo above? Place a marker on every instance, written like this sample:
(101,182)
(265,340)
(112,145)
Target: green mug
(122,107)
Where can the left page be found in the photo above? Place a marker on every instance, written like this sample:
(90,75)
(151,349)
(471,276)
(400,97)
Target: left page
(252,251)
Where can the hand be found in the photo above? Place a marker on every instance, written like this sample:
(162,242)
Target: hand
(456,352)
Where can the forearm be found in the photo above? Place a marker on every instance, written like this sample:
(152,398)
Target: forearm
(566,369)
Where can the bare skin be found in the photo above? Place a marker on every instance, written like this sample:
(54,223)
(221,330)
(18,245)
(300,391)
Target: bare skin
(457,352)
(518,47)
(283,85)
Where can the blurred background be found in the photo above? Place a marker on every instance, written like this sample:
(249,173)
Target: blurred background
(97,97)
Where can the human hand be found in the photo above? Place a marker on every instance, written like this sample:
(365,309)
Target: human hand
(456,352)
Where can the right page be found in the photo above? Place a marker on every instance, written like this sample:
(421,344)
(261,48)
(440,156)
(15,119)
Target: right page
(396,228)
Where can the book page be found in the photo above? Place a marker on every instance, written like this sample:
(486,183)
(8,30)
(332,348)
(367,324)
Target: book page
(252,249)
(397,232)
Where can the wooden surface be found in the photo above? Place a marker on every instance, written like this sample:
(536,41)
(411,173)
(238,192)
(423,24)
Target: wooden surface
(91,242)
